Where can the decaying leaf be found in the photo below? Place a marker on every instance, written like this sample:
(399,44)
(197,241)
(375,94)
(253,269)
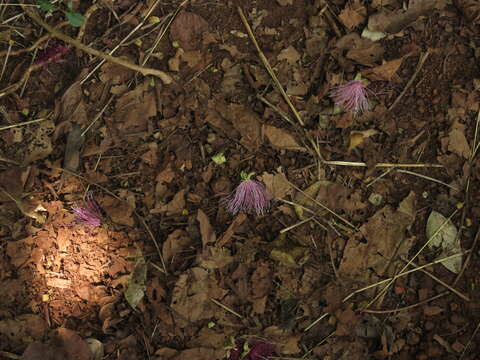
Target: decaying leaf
(188,29)
(385,72)
(136,283)
(353,15)
(446,239)
(75,140)
(281,139)
(361,50)
(377,248)
(277,185)
(395,22)
(290,55)
(358,137)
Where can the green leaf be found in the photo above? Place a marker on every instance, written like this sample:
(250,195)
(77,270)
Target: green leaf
(45,5)
(75,18)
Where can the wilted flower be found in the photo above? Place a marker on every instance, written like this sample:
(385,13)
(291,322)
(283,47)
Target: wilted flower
(252,350)
(89,214)
(249,197)
(351,96)
(52,53)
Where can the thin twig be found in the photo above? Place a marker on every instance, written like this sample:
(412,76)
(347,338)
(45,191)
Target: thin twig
(381,165)
(142,70)
(226,308)
(6,127)
(412,259)
(428,178)
(441,282)
(404,273)
(421,61)
(268,67)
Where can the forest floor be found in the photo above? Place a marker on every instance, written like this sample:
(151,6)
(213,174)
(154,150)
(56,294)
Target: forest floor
(368,246)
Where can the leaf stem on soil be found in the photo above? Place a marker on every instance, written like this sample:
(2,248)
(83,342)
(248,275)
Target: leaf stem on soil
(6,127)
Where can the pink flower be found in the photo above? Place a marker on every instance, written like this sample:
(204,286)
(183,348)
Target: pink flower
(52,53)
(253,350)
(89,214)
(351,96)
(249,197)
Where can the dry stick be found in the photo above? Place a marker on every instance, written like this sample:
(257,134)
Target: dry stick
(86,16)
(268,67)
(407,307)
(404,273)
(411,260)
(421,61)
(162,34)
(441,282)
(381,165)
(9,161)
(216,302)
(323,206)
(469,342)
(142,220)
(142,70)
(147,15)
(35,44)
(21,124)
(428,178)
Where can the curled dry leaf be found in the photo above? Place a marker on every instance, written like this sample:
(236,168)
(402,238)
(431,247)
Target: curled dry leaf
(353,15)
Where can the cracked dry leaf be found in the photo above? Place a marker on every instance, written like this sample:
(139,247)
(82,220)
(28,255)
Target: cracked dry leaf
(193,292)
(40,144)
(377,248)
(277,185)
(457,142)
(385,72)
(188,29)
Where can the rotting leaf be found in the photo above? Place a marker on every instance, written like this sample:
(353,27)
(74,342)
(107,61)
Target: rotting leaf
(188,29)
(446,239)
(303,199)
(136,283)
(277,185)
(281,139)
(385,72)
(357,138)
(376,249)
(395,22)
(353,15)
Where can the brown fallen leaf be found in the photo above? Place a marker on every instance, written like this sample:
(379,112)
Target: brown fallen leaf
(385,72)
(353,15)
(188,29)
(357,138)
(374,251)
(281,139)
(119,211)
(277,185)
(289,54)
(395,22)
(134,108)
(239,219)
(457,142)
(361,50)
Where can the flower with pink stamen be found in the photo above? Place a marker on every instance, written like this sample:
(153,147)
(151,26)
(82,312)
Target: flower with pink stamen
(52,53)
(89,214)
(351,96)
(249,197)
(252,350)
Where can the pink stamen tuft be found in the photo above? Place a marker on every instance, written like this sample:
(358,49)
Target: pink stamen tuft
(351,96)
(88,215)
(53,53)
(249,197)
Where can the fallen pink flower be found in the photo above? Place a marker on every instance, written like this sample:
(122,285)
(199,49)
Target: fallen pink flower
(254,350)
(89,214)
(351,96)
(52,53)
(249,197)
